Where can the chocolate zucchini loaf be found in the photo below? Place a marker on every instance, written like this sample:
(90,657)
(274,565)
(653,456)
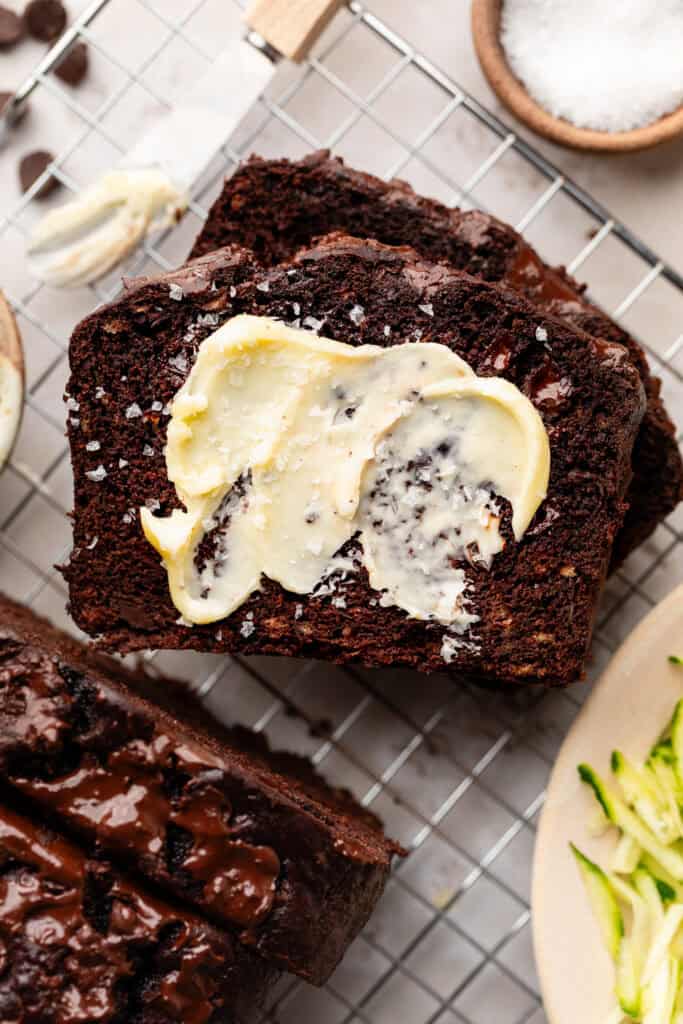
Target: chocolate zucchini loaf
(80,942)
(254,840)
(274,207)
(536,604)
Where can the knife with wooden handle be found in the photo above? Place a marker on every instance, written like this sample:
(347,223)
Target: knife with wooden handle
(81,241)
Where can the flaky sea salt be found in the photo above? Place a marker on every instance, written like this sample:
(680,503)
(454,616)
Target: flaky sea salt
(313,323)
(427,308)
(451,645)
(208,320)
(357,315)
(541,334)
(93,446)
(175,292)
(96,475)
(179,362)
(133,411)
(606,66)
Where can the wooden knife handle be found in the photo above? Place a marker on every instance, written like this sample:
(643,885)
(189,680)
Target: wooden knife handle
(291,26)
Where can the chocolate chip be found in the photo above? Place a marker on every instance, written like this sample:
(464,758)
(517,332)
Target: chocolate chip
(11,27)
(30,169)
(73,68)
(19,113)
(45,19)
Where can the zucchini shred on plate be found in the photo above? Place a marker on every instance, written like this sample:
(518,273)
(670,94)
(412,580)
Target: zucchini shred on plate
(638,900)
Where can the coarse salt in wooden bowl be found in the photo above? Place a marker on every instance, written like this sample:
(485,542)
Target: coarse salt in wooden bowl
(486,18)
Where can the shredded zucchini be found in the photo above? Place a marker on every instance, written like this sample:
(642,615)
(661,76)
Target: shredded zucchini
(638,902)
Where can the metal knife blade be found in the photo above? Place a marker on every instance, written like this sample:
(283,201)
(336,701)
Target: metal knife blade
(185,140)
(80,242)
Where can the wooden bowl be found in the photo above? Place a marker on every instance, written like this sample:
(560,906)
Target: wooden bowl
(486,15)
(11,380)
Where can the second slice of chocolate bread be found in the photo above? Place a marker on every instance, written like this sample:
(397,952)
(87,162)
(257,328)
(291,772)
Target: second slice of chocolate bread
(536,604)
(274,207)
(255,840)
(80,942)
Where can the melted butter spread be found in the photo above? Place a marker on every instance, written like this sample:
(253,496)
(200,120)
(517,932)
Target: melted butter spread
(299,443)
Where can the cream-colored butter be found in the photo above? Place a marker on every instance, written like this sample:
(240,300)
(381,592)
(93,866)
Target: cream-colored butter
(80,241)
(304,442)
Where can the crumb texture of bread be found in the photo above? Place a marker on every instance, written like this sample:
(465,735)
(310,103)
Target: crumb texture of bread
(275,207)
(538,601)
(80,942)
(254,839)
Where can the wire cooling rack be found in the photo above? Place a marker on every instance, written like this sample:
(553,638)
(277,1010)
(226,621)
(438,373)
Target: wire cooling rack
(458,776)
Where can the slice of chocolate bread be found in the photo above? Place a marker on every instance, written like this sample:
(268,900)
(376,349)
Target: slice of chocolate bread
(80,942)
(536,604)
(254,840)
(274,207)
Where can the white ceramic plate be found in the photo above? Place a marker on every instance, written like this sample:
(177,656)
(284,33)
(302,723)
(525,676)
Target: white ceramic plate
(628,708)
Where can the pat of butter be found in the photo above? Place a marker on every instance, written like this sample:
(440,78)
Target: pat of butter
(82,240)
(299,443)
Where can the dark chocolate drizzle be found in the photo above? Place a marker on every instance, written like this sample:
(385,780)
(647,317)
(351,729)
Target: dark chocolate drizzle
(88,959)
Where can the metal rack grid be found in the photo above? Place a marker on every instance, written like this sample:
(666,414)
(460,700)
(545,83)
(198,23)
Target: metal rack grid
(459,777)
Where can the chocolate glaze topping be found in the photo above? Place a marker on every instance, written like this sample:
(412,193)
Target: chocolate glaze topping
(124,800)
(528,274)
(253,839)
(80,943)
(547,388)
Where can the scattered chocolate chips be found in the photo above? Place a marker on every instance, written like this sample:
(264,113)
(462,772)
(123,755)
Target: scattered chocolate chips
(73,68)
(45,19)
(19,113)
(11,27)
(30,169)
